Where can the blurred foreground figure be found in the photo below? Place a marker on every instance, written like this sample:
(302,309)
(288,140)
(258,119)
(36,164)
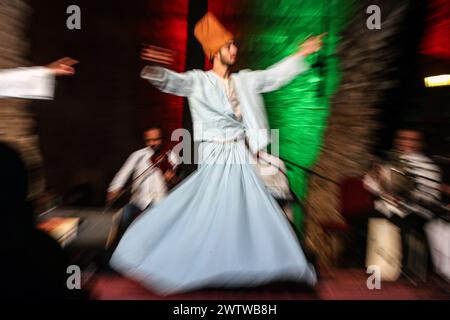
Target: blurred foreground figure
(33,264)
(408,189)
(220,227)
(34,82)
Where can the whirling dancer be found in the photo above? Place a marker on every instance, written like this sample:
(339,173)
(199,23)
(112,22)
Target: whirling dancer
(220,227)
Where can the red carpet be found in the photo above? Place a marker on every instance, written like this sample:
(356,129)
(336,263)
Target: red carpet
(346,284)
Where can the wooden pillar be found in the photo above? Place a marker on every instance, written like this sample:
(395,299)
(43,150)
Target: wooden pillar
(16,120)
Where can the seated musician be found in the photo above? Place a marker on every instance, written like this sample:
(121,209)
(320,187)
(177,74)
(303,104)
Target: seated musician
(407,187)
(154,173)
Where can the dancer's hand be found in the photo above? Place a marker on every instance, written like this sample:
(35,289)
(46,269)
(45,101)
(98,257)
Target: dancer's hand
(63,67)
(157,55)
(311,45)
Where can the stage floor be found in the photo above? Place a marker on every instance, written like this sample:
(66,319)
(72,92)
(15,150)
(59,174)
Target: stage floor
(342,284)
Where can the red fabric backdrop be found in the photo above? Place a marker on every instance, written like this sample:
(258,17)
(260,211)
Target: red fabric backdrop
(436,41)
(166,26)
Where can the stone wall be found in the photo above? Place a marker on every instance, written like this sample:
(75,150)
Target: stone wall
(16,120)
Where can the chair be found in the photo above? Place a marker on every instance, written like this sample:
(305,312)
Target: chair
(356,205)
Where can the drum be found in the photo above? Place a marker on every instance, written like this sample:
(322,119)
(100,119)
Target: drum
(384,248)
(438,233)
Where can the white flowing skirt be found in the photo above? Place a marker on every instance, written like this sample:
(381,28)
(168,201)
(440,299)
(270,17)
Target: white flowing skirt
(219,228)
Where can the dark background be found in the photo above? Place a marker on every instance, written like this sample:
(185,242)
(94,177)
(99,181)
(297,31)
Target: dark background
(98,115)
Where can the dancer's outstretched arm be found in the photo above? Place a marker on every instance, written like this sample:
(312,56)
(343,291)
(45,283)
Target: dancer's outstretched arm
(34,82)
(287,69)
(168,81)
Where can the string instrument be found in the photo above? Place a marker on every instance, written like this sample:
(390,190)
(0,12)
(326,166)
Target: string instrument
(161,161)
(158,160)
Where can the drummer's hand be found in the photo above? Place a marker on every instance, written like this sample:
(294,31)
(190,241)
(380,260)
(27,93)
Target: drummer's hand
(375,173)
(390,197)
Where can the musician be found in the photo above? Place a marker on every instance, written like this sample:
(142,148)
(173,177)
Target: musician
(149,185)
(424,173)
(407,186)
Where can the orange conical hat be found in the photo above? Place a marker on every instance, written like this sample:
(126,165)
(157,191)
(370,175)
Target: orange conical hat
(211,34)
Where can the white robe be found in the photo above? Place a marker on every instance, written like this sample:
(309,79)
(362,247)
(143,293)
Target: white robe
(27,83)
(151,187)
(220,227)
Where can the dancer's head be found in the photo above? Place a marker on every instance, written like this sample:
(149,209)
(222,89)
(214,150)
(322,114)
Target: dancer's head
(217,42)
(153,137)
(226,55)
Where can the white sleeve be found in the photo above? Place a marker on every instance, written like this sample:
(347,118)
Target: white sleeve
(124,173)
(278,75)
(27,83)
(169,81)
